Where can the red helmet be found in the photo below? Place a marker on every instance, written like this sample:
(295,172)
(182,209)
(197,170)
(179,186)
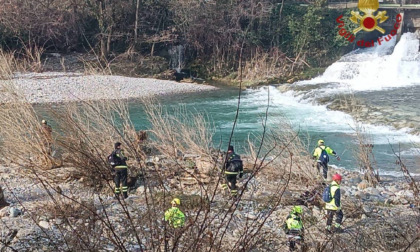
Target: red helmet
(336,177)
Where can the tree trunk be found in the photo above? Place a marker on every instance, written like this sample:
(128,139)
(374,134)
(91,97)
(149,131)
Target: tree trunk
(136,24)
(101,23)
(108,42)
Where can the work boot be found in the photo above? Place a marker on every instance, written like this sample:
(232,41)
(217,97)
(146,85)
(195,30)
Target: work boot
(125,195)
(338,229)
(328,230)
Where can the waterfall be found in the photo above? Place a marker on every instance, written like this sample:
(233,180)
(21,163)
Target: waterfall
(177,57)
(381,67)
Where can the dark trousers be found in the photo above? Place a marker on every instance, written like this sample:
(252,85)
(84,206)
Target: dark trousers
(121,177)
(231,181)
(338,216)
(291,238)
(324,169)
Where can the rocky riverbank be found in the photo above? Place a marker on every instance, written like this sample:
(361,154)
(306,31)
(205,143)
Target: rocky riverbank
(31,220)
(68,87)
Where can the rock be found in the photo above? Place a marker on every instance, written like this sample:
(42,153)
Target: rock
(44,224)
(3,212)
(373,191)
(191,156)
(362,185)
(394,188)
(355,180)
(367,209)
(14,212)
(404,201)
(409,194)
(251,216)
(140,190)
(204,165)
(360,195)
(377,198)
(364,216)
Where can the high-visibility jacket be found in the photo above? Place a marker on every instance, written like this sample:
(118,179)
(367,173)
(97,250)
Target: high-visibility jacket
(335,203)
(120,154)
(318,151)
(293,222)
(175,217)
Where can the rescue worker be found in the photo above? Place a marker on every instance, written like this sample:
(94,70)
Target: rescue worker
(321,155)
(233,167)
(46,136)
(334,206)
(293,226)
(120,171)
(174,216)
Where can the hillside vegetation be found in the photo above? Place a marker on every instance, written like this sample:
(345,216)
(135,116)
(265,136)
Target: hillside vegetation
(271,39)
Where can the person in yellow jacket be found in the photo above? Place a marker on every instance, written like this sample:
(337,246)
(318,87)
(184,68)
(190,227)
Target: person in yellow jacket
(321,155)
(293,226)
(334,206)
(174,216)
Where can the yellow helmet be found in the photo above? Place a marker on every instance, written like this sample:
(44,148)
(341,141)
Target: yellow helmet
(176,201)
(320,141)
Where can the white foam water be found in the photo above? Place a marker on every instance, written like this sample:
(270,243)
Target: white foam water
(313,117)
(374,68)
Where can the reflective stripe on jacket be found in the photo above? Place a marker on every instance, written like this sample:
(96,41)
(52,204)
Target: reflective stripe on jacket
(335,203)
(229,159)
(120,153)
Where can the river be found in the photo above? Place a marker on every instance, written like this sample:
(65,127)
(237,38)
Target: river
(386,79)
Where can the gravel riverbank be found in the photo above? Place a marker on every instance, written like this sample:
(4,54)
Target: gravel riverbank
(68,87)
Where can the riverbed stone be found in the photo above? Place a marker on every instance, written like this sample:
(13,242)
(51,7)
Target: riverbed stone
(355,180)
(394,188)
(363,185)
(44,224)
(367,209)
(372,191)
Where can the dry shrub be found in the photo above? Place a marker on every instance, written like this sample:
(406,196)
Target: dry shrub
(88,132)
(96,67)
(364,155)
(263,65)
(8,65)
(32,55)
(22,138)
(179,132)
(284,153)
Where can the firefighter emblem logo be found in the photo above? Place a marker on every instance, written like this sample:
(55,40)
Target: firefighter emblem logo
(369,21)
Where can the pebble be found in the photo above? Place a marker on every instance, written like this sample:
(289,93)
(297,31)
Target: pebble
(14,212)
(44,224)
(367,209)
